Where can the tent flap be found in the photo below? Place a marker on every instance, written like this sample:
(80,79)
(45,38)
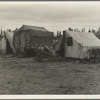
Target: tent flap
(9,36)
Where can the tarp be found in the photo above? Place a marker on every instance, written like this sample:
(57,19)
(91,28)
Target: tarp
(28,27)
(34,30)
(57,44)
(9,36)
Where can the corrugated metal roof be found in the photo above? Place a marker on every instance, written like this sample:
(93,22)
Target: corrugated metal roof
(86,39)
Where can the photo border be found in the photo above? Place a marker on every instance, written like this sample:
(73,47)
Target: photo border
(48,97)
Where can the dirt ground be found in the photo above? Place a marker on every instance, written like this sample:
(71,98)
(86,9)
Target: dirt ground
(27,76)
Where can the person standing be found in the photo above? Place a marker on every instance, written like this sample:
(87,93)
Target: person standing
(40,53)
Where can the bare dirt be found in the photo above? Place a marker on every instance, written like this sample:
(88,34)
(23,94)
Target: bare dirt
(27,76)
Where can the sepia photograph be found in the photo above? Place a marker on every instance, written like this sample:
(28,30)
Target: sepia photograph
(49,48)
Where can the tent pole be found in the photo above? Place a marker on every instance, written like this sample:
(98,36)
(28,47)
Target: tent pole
(80,50)
(64,40)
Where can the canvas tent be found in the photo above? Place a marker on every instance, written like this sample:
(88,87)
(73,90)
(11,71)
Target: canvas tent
(27,37)
(9,39)
(2,45)
(6,43)
(77,44)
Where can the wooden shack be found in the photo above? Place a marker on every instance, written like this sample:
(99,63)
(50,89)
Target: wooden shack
(27,37)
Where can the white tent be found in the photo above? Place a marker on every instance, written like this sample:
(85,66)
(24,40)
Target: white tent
(6,42)
(2,45)
(9,37)
(81,42)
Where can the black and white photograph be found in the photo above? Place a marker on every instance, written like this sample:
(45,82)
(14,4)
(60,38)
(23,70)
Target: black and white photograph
(49,47)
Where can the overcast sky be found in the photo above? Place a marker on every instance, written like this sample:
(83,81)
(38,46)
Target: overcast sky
(51,15)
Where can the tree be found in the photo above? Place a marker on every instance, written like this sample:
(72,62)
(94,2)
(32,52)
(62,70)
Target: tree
(93,31)
(89,31)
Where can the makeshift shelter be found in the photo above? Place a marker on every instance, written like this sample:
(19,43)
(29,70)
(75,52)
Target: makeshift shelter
(9,40)
(28,37)
(2,45)
(77,44)
(6,43)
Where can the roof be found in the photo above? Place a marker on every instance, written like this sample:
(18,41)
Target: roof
(84,38)
(27,27)
(34,30)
